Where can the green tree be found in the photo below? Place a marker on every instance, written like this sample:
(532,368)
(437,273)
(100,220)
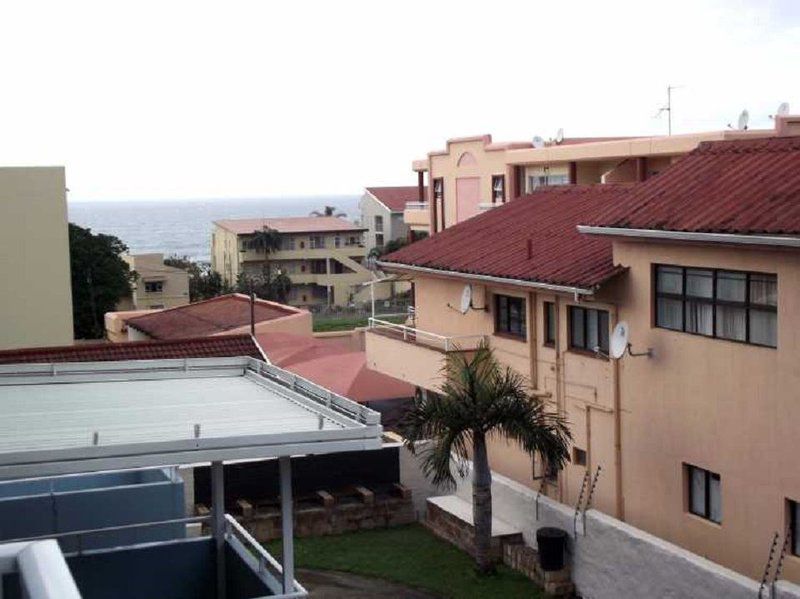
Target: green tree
(479,398)
(327,211)
(204,283)
(266,284)
(100,279)
(391,246)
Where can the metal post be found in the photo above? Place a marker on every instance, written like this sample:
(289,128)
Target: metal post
(285,467)
(218,523)
(372,297)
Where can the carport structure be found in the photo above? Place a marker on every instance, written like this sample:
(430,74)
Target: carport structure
(90,417)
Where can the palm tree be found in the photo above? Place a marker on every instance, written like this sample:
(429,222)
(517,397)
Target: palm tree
(328,211)
(266,240)
(479,397)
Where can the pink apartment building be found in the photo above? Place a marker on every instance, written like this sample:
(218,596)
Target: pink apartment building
(696,442)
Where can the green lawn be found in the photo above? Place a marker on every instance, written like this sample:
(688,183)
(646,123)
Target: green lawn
(409,555)
(323,325)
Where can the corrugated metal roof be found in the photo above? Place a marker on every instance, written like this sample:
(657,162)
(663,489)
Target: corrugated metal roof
(209,317)
(220,346)
(293,224)
(395,198)
(738,187)
(533,238)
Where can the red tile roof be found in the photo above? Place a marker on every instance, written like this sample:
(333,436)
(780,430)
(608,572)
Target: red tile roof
(292,224)
(533,238)
(333,366)
(740,186)
(203,347)
(209,317)
(395,198)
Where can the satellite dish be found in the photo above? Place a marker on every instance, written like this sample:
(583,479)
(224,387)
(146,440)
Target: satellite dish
(466,298)
(559,135)
(619,340)
(783,109)
(538,141)
(744,119)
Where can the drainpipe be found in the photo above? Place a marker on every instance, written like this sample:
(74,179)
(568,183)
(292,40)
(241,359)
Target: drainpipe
(618,434)
(559,407)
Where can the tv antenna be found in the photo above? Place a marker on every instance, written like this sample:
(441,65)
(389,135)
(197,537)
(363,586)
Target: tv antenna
(668,108)
(466,304)
(620,344)
(742,122)
(783,110)
(538,141)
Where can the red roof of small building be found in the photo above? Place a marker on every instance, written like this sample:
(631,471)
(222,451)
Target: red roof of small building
(203,347)
(395,198)
(291,224)
(533,238)
(332,365)
(740,186)
(209,317)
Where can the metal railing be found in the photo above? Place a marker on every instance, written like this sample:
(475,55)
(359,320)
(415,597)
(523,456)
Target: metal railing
(413,335)
(417,205)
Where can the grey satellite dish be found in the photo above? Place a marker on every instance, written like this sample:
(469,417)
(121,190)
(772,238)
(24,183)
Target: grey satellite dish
(783,109)
(744,119)
(538,141)
(559,135)
(466,298)
(619,340)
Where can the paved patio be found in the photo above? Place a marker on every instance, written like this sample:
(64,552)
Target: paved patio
(340,585)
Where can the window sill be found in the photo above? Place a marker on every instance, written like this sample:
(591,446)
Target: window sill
(702,520)
(510,336)
(585,353)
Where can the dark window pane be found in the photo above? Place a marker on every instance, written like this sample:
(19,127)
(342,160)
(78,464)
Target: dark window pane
(794,515)
(731,286)
(714,498)
(763,327)
(592,340)
(699,283)
(669,279)
(603,332)
(699,318)
(764,289)
(549,322)
(577,338)
(731,323)
(669,313)
(697,491)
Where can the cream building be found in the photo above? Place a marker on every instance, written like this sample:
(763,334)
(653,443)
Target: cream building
(36,292)
(157,285)
(324,256)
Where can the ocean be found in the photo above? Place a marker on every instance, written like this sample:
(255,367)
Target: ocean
(183,227)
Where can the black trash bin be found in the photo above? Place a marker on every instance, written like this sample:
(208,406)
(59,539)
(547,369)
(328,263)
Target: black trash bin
(552,543)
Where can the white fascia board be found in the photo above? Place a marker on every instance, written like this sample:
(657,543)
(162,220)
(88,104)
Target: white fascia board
(689,236)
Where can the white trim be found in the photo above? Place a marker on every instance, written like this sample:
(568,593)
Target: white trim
(487,278)
(727,238)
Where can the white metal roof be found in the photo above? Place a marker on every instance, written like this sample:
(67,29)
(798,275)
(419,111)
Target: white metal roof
(80,417)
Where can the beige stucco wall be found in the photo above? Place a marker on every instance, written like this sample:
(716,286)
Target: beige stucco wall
(728,407)
(35,294)
(149,268)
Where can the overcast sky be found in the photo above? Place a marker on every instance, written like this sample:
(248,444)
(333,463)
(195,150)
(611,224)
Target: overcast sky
(174,99)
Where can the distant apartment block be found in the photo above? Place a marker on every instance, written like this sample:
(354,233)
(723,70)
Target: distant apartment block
(36,292)
(382,211)
(322,255)
(695,441)
(474,174)
(157,285)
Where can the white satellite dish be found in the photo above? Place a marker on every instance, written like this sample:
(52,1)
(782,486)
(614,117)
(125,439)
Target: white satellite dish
(619,340)
(559,135)
(744,119)
(783,109)
(466,298)
(538,141)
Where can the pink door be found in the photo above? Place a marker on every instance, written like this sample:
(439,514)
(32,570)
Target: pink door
(468,196)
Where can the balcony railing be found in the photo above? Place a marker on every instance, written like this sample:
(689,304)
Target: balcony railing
(417,205)
(433,340)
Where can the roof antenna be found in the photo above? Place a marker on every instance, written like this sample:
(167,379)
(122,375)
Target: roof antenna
(252,310)
(668,108)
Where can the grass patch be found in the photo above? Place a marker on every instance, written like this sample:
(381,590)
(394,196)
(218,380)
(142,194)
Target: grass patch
(325,325)
(409,555)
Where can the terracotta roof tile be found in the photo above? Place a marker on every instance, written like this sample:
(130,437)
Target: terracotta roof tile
(738,186)
(209,317)
(395,198)
(533,238)
(203,347)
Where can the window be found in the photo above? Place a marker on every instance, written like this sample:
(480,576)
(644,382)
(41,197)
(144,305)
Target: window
(154,286)
(438,189)
(705,493)
(379,240)
(578,456)
(438,200)
(550,324)
(794,526)
(539,177)
(498,189)
(337,242)
(287,242)
(588,329)
(379,224)
(727,304)
(317,242)
(509,315)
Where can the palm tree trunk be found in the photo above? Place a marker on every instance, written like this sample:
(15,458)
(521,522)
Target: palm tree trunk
(482,504)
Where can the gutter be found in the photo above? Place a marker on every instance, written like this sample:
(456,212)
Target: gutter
(576,291)
(726,238)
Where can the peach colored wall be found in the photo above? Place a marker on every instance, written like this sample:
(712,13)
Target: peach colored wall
(728,407)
